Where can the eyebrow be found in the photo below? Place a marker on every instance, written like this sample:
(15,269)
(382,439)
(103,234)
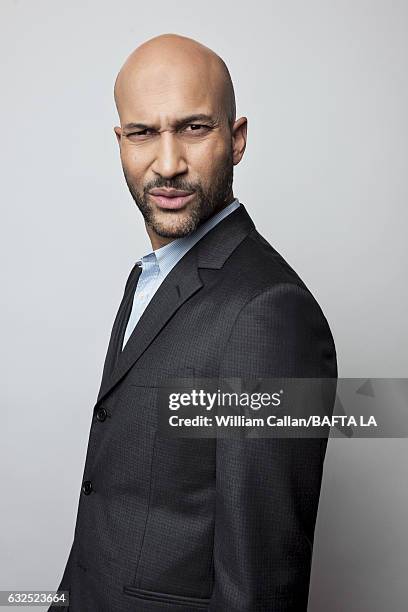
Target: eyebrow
(177,124)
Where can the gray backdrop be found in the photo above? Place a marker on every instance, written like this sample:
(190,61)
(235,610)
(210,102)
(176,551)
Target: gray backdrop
(324,87)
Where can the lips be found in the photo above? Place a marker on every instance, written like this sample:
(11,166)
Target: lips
(171,199)
(170,193)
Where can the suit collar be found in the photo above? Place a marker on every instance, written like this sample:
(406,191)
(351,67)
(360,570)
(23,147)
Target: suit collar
(216,246)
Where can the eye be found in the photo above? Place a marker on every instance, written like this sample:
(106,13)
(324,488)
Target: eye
(140,133)
(196,126)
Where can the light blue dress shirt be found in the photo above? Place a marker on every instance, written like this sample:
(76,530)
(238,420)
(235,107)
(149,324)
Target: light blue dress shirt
(157,264)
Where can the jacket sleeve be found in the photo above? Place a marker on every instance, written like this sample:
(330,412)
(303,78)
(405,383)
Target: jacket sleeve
(267,489)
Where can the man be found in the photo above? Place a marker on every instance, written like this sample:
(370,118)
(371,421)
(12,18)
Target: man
(224,525)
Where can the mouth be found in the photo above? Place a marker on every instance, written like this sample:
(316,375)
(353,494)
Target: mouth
(172,200)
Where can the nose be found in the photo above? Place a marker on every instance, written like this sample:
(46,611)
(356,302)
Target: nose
(170,156)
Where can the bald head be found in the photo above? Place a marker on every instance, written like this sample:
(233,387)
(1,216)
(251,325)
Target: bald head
(179,139)
(171,60)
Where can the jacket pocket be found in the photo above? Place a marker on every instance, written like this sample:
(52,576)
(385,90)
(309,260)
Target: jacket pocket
(143,377)
(169,598)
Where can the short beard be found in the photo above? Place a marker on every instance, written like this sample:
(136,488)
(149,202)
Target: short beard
(207,202)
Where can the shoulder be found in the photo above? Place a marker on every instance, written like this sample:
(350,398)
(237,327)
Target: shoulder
(258,275)
(260,264)
(277,317)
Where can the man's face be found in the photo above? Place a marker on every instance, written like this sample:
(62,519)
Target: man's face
(174,136)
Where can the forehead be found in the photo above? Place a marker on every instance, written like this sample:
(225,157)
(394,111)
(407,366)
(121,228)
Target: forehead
(164,94)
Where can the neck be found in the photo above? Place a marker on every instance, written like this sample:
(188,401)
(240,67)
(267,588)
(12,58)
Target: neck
(158,241)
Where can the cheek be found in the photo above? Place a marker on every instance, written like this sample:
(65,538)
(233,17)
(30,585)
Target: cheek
(209,158)
(132,164)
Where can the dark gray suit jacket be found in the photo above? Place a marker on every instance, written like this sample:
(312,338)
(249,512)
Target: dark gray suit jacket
(202,524)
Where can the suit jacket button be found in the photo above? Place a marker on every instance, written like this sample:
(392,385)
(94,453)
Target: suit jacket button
(87,487)
(101,414)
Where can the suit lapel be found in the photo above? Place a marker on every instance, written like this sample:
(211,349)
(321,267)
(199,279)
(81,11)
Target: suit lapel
(119,323)
(211,251)
(182,281)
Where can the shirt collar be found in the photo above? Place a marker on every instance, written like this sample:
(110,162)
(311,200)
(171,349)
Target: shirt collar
(162,256)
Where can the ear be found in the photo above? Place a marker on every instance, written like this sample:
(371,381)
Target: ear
(118,132)
(239,138)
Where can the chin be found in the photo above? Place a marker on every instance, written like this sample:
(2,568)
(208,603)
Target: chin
(173,224)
